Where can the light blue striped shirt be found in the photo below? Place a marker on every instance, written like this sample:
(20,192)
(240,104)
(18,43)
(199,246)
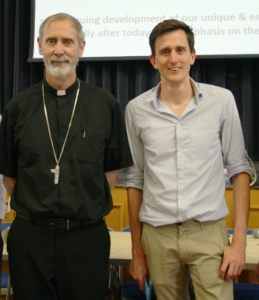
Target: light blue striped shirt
(179,163)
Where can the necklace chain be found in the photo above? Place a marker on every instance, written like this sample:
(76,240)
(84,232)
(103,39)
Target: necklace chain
(57,159)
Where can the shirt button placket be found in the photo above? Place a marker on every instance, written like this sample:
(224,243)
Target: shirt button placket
(180,160)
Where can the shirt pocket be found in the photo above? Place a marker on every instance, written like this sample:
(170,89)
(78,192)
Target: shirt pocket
(90,149)
(205,140)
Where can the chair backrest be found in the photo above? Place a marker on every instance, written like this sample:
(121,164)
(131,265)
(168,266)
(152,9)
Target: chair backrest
(5,225)
(125,229)
(5,278)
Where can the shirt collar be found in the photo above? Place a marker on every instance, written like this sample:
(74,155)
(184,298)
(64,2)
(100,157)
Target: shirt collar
(153,96)
(197,92)
(59,93)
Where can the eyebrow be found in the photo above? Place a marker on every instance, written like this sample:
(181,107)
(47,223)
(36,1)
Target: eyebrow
(164,48)
(63,39)
(169,48)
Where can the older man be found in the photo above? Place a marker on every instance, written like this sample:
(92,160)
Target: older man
(62,142)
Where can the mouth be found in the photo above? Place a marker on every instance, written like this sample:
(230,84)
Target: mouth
(174,69)
(58,62)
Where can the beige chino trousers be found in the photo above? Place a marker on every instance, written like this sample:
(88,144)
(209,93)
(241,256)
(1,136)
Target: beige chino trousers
(196,247)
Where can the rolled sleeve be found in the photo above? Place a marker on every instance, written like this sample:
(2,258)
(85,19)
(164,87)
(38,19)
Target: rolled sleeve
(235,157)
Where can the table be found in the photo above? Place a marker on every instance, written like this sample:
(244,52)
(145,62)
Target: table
(120,253)
(252,252)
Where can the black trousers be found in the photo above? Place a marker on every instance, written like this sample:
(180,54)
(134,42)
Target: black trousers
(50,264)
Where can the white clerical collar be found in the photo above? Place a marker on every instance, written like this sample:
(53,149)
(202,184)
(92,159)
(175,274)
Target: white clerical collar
(61,92)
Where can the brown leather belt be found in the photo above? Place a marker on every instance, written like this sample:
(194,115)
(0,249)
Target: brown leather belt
(57,224)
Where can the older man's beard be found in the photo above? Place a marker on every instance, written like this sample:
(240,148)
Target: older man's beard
(62,70)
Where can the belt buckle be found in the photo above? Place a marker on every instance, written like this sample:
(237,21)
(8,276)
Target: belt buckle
(54,223)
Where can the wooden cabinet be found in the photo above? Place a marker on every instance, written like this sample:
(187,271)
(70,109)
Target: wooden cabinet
(118,218)
(254,208)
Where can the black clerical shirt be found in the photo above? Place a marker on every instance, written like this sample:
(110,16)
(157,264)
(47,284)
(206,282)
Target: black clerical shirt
(97,143)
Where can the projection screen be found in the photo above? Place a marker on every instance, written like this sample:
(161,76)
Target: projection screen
(119,29)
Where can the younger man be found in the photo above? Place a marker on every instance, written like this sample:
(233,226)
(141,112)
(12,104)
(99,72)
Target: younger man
(182,134)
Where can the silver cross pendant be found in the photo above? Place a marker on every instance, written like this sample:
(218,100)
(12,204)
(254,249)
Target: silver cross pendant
(56,174)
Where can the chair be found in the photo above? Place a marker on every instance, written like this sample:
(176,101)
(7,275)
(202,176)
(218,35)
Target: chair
(131,291)
(246,291)
(5,277)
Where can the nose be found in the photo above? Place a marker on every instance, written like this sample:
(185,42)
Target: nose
(173,57)
(58,49)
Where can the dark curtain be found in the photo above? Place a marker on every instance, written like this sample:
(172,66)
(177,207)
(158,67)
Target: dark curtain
(124,79)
